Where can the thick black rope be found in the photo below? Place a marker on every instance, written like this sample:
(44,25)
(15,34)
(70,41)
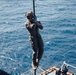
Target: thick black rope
(35,72)
(34,16)
(34,7)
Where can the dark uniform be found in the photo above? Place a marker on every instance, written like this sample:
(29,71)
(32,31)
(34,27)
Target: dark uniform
(64,70)
(58,72)
(33,27)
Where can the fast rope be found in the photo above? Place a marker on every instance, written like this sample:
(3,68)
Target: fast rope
(34,7)
(34,16)
(35,72)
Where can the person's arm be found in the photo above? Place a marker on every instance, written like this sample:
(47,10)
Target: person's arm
(38,23)
(27,24)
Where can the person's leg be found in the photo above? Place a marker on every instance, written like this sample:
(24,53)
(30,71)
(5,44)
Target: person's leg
(40,53)
(35,51)
(40,48)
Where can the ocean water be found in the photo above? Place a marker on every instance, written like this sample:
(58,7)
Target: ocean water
(59,34)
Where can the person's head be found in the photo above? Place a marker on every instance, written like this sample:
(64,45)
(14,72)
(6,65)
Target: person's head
(30,16)
(65,69)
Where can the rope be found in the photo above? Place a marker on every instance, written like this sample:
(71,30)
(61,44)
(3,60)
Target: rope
(35,72)
(34,7)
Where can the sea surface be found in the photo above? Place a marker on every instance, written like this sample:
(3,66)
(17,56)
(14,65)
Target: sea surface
(59,34)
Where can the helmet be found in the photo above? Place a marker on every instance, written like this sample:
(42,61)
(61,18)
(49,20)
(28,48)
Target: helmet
(29,14)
